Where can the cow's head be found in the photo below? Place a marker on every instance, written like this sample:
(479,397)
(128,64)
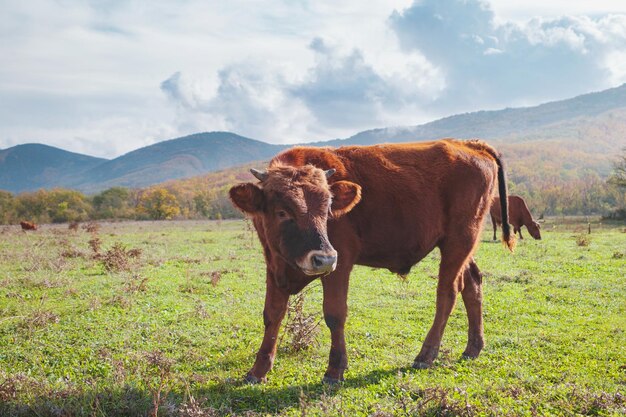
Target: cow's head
(294,204)
(534,230)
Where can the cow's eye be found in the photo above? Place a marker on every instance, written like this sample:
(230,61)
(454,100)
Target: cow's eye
(282,214)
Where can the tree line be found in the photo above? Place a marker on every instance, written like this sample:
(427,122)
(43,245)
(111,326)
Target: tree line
(119,203)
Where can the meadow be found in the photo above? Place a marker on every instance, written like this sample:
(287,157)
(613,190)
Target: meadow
(164,318)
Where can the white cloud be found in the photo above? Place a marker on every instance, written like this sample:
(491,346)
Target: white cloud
(338,95)
(250,98)
(493,63)
(616,62)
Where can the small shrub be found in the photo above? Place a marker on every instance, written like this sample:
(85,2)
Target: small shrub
(91,227)
(95,303)
(121,301)
(71,292)
(302,328)
(71,253)
(583,240)
(200,310)
(188,287)
(159,378)
(215,278)
(192,408)
(136,284)
(95,244)
(38,319)
(118,258)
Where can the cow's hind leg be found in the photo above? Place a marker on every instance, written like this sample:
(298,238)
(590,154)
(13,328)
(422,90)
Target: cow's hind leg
(454,255)
(473,299)
(275,308)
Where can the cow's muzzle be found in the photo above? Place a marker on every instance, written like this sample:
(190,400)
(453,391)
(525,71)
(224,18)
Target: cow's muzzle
(318,262)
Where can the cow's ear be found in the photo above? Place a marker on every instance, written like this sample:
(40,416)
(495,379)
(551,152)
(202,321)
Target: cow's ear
(247,197)
(346,195)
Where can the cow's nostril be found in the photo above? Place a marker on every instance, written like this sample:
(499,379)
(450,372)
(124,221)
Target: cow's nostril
(317,261)
(320,261)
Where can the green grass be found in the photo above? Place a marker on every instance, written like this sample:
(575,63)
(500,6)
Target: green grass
(181,328)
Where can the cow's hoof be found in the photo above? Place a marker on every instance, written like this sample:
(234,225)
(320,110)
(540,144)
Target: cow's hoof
(468,356)
(251,379)
(331,381)
(421,365)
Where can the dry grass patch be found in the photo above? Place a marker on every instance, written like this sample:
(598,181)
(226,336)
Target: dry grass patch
(300,327)
(91,227)
(136,283)
(118,258)
(583,240)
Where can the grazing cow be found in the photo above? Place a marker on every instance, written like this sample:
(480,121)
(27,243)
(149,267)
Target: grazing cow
(28,225)
(320,211)
(519,216)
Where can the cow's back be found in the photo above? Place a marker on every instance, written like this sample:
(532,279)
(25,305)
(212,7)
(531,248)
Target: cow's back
(411,194)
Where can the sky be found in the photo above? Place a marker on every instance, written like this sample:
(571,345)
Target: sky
(104,77)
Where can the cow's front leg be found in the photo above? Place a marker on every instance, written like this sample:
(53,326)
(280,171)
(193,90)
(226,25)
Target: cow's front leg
(275,308)
(335,313)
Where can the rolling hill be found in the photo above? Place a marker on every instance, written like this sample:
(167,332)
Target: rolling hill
(176,158)
(513,124)
(32,166)
(566,138)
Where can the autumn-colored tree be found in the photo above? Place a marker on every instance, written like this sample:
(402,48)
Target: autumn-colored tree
(58,205)
(7,208)
(113,203)
(67,206)
(618,177)
(32,206)
(158,204)
(617,181)
(202,203)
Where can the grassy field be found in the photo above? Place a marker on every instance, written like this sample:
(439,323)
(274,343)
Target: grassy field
(165,318)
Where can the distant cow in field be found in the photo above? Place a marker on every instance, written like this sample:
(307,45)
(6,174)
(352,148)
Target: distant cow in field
(519,216)
(28,225)
(320,211)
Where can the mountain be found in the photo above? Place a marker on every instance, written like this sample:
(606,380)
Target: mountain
(574,135)
(176,158)
(510,123)
(32,166)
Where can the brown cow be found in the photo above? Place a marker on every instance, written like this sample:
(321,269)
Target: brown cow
(320,211)
(28,225)
(519,216)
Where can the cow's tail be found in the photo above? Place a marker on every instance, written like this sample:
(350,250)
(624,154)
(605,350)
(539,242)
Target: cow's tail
(507,238)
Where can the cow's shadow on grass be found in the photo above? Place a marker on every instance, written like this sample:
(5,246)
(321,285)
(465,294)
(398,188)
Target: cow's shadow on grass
(125,401)
(224,397)
(240,396)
